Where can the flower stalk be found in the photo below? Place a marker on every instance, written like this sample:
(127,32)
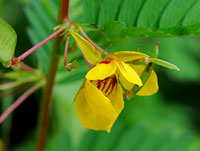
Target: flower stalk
(47,93)
(19,101)
(28,52)
(94,44)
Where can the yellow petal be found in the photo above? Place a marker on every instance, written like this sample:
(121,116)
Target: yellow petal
(116,98)
(130,55)
(126,84)
(128,74)
(102,71)
(88,117)
(89,51)
(151,85)
(103,114)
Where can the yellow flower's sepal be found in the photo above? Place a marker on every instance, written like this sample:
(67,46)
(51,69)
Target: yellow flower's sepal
(88,50)
(96,111)
(130,55)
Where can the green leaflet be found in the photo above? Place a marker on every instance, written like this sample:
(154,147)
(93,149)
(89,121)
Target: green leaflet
(1,3)
(145,18)
(175,12)
(8,40)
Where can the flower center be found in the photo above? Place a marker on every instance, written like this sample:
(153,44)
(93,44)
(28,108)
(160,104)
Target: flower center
(107,85)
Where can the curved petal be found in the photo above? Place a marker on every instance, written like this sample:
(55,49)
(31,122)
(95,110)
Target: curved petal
(102,71)
(130,55)
(125,83)
(88,117)
(103,114)
(89,51)
(116,99)
(129,74)
(151,85)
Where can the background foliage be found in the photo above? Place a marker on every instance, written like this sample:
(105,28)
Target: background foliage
(166,121)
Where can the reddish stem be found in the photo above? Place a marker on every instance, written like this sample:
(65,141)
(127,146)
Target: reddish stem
(28,52)
(52,69)
(26,67)
(95,45)
(15,90)
(65,10)
(89,65)
(18,102)
(133,62)
(66,50)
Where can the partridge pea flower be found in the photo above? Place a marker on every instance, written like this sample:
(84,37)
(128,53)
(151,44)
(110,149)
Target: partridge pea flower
(100,100)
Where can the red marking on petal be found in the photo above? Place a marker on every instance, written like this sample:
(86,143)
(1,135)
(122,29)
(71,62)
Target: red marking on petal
(133,62)
(109,85)
(104,83)
(114,83)
(99,84)
(104,62)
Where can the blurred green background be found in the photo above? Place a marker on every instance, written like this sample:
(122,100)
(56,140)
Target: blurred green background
(166,121)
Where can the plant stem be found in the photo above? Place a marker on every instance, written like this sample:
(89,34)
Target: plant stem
(28,52)
(95,45)
(18,102)
(26,67)
(66,50)
(47,93)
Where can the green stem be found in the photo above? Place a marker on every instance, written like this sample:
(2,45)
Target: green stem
(47,93)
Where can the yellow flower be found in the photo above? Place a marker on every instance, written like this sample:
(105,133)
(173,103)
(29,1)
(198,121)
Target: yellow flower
(100,99)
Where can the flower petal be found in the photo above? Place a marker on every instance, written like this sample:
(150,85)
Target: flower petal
(116,98)
(87,116)
(151,85)
(130,55)
(95,111)
(128,73)
(102,71)
(89,51)
(125,83)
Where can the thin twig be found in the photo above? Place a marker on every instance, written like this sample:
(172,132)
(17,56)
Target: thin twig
(26,67)
(15,90)
(89,65)
(95,45)
(18,102)
(66,50)
(28,52)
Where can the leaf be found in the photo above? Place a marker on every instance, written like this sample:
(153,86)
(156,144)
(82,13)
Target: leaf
(8,40)
(91,15)
(1,4)
(113,28)
(173,16)
(150,14)
(146,18)
(108,11)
